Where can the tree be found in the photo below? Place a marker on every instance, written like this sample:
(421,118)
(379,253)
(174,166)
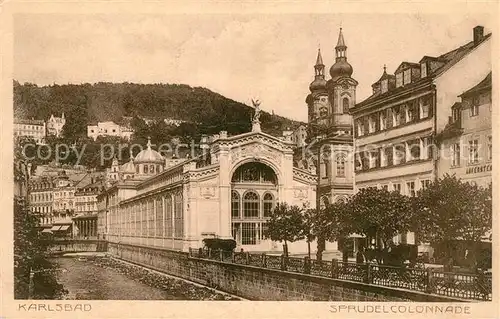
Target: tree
(29,250)
(285,224)
(309,220)
(449,209)
(378,213)
(332,223)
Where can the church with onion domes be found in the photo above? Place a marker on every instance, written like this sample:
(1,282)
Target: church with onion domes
(330,129)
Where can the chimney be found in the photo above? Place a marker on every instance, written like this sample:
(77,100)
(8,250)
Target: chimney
(478,32)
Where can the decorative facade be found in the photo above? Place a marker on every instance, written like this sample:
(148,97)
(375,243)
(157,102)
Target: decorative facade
(35,129)
(55,125)
(227,191)
(109,129)
(330,127)
(466,142)
(396,126)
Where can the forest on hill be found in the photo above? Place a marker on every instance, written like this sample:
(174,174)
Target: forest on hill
(205,112)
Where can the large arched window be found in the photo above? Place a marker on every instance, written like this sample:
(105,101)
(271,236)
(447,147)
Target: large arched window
(345,105)
(235,204)
(251,205)
(146,169)
(340,163)
(268,204)
(254,173)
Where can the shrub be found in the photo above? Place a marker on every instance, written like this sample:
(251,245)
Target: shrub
(218,243)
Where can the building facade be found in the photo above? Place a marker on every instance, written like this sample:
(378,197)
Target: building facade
(41,192)
(228,191)
(109,129)
(55,125)
(330,127)
(395,127)
(35,129)
(466,142)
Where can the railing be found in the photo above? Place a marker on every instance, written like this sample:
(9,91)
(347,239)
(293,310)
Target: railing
(464,286)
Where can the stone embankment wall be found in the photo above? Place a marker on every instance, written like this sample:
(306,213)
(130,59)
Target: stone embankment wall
(259,283)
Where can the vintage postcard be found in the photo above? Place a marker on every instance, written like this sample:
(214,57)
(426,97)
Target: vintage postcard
(337,155)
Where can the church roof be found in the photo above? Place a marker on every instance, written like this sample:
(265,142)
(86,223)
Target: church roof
(149,155)
(341,42)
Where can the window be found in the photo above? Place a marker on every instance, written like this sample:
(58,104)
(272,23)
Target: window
(152,169)
(373,158)
(407,76)
(425,183)
(345,105)
(396,116)
(235,204)
(399,79)
(455,114)
(424,109)
(340,165)
(414,149)
(383,120)
(423,70)
(473,152)
(384,86)
(474,109)
(455,154)
(178,216)
(399,154)
(361,128)
(410,186)
(385,187)
(396,187)
(490,148)
(359,163)
(249,233)
(268,204)
(251,205)
(146,169)
(371,124)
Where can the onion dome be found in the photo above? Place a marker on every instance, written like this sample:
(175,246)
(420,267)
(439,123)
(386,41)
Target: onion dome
(319,82)
(149,155)
(129,167)
(341,66)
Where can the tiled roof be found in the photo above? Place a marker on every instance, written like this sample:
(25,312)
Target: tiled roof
(450,58)
(484,84)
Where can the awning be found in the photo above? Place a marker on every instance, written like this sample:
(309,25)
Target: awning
(54,228)
(46,230)
(64,227)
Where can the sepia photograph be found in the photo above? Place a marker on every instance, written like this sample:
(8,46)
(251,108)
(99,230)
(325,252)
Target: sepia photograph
(237,156)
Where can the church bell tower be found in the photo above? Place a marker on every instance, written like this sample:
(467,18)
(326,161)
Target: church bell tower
(330,126)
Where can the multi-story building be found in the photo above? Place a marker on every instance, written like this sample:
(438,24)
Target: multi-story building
(55,125)
(41,192)
(227,191)
(395,127)
(299,136)
(30,128)
(109,129)
(466,148)
(330,126)
(85,221)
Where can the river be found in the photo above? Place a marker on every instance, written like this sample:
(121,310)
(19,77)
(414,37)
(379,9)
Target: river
(107,279)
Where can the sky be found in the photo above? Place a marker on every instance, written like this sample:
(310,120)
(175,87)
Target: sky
(241,56)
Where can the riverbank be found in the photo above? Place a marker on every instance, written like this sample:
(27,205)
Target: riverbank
(104,278)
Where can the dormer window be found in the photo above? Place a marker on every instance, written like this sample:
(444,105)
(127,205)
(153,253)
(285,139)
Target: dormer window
(399,79)
(384,85)
(423,69)
(406,76)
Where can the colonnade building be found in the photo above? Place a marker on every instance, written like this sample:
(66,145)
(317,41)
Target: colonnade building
(226,191)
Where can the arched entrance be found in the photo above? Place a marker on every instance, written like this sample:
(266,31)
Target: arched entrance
(254,194)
